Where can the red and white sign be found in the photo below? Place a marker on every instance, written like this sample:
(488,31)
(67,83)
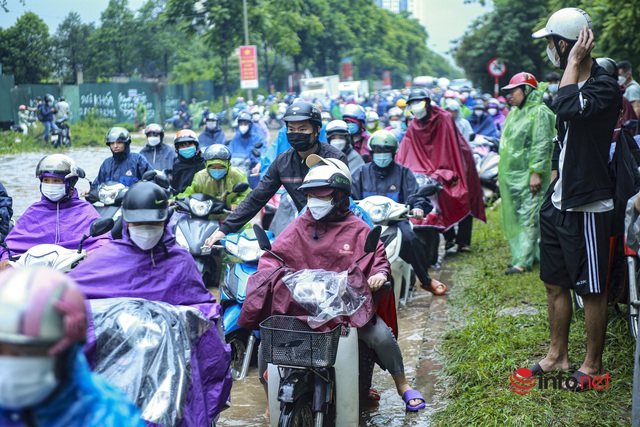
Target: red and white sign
(497,68)
(248,67)
(386,79)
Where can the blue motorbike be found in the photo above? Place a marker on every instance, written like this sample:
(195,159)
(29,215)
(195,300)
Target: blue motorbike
(245,247)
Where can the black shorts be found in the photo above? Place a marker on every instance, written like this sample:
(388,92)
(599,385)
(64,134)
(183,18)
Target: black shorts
(574,248)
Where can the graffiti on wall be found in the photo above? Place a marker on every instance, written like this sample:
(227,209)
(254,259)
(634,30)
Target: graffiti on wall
(102,104)
(128,105)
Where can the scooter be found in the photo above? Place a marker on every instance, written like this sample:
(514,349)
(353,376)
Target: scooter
(313,376)
(62,137)
(55,256)
(485,154)
(382,211)
(245,246)
(107,200)
(192,232)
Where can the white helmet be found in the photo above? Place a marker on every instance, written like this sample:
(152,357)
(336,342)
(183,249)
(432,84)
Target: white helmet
(327,172)
(565,23)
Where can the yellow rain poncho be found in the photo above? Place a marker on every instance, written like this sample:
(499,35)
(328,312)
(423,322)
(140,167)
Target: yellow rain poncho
(526,147)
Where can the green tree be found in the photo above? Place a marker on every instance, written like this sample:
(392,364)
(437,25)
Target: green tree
(156,41)
(488,37)
(25,49)
(71,50)
(113,44)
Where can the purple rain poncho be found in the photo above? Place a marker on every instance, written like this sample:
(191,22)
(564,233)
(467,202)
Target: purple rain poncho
(63,223)
(122,269)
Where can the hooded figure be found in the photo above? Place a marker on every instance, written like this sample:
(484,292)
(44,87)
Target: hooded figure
(494,110)
(123,166)
(162,272)
(157,153)
(453,107)
(433,146)
(525,162)
(188,160)
(213,133)
(60,217)
(242,144)
(481,122)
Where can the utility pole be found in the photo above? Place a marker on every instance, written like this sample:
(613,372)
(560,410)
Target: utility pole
(246,38)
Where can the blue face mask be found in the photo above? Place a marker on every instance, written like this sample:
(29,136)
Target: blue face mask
(217,173)
(188,152)
(382,160)
(353,128)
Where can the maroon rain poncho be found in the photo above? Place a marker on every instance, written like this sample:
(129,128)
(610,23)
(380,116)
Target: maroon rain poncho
(122,269)
(338,245)
(436,148)
(62,223)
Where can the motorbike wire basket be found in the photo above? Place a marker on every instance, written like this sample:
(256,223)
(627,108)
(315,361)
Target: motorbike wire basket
(289,341)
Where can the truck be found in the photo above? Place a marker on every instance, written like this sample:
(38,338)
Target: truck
(324,87)
(356,88)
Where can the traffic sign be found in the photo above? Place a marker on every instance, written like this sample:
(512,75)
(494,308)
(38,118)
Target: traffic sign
(497,68)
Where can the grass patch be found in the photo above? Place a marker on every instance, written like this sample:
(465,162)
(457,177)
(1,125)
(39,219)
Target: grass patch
(483,349)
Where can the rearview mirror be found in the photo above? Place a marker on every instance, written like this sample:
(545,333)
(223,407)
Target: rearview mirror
(241,187)
(372,239)
(101,226)
(255,153)
(472,137)
(263,240)
(81,173)
(258,145)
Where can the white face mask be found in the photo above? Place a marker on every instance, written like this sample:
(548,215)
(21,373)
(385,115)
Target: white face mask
(551,53)
(492,111)
(26,381)
(319,208)
(153,140)
(146,236)
(395,124)
(622,80)
(243,129)
(53,192)
(478,112)
(339,143)
(212,125)
(419,110)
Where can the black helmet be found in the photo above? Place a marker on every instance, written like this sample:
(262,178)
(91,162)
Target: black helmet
(155,128)
(117,134)
(211,117)
(418,94)
(301,111)
(186,135)
(244,117)
(217,152)
(552,77)
(145,202)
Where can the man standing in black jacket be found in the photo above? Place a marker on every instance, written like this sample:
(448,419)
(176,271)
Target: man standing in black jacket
(576,216)
(303,121)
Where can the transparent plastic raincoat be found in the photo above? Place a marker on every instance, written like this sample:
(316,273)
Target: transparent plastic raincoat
(526,147)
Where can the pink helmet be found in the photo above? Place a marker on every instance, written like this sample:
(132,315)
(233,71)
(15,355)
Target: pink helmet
(41,306)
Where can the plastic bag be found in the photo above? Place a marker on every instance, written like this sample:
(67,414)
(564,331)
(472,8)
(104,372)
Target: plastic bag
(144,347)
(324,294)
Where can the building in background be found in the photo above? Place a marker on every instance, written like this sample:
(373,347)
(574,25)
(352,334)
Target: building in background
(417,8)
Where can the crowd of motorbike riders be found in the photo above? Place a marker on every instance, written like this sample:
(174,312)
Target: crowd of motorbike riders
(327,154)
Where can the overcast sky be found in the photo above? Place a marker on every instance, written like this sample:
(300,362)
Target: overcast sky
(447,21)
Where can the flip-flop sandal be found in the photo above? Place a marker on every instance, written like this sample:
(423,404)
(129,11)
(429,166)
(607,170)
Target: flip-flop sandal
(436,287)
(410,395)
(373,395)
(579,381)
(464,249)
(513,270)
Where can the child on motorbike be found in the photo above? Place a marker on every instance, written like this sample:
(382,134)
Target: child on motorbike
(147,263)
(45,379)
(329,236)
(218,178)
(387,178)
(60,217)
(188,161)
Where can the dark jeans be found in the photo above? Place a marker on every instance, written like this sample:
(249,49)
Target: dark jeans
(463,237)
(412,251)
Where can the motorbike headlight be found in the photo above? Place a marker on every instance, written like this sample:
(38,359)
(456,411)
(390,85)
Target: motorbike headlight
(48,259)
(200,208)
(108,193)
(247,250)
(180,239)
(377,213)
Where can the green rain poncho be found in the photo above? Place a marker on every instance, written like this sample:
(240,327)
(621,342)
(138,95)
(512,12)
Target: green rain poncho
(526,146)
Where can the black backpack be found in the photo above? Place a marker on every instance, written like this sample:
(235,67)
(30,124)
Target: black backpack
(39,113)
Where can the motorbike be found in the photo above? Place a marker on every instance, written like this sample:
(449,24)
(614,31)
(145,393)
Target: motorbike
(245,247)
(277,122)
(192,231)
(313,375)
(246,164)
(62,137)
(107,199)
(55,256)
(485,153)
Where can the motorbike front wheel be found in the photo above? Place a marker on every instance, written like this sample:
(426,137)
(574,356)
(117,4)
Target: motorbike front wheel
(238,351)
(297,413)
